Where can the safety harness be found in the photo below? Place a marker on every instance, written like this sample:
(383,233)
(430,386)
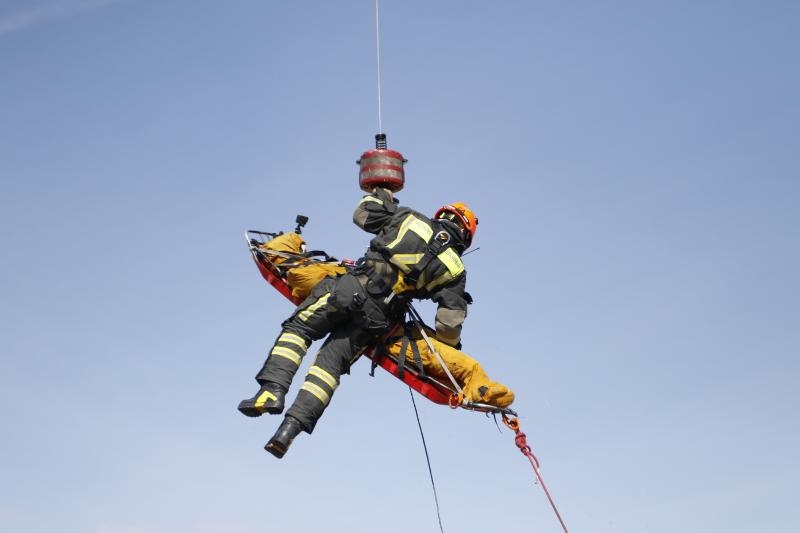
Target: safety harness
(437,244)
(405,341)
(386,279)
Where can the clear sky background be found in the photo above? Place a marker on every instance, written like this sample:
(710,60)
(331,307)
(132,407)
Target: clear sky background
(635,169)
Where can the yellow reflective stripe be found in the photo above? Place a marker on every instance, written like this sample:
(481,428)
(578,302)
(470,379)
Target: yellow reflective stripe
(288,354)
(293,339)
(323,375)
(412,223)
(263,397)
(444,278)
(455,267)
(451,260)
(407,259)
(369,199)
(402,232)
(313,307)
(402,261)
(424,231)
(316,391)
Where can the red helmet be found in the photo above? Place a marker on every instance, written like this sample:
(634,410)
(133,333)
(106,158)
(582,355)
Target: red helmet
(461,214)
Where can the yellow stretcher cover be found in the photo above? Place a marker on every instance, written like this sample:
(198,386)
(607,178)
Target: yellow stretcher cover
(306,274)
(302,279)
(467,371)
(288,242)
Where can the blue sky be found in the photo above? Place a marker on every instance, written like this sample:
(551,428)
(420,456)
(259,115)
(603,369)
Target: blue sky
(634,167)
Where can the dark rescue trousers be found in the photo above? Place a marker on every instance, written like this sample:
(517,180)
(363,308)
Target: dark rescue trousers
(341,308)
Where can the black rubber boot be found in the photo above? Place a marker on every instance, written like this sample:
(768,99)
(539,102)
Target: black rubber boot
(269,399)
(282,439)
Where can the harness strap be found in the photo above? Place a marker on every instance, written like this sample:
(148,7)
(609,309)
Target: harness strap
(319,253)
(437,245)
(375,282)
(380,351)
(417,358)
(401,359)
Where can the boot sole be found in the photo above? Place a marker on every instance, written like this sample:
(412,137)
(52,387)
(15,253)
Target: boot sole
(275,449)
(248,408)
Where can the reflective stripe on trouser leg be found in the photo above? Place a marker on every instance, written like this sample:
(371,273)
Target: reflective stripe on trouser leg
(284,359)
(293,342)
(323,377)
(312,319)
(320,383)
(314,310)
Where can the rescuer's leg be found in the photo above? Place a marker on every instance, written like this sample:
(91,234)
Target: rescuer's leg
(282,439)
(316,392)
(269,399)
(311,321)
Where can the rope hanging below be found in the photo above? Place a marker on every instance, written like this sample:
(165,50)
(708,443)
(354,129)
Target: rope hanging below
(428,460)
(521,441)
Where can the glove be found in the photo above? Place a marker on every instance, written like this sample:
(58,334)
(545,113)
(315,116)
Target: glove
(384,195)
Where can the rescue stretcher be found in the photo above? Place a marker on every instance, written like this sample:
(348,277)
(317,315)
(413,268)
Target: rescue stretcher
(431,388)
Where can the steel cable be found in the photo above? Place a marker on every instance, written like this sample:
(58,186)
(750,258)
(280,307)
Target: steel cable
(378,56)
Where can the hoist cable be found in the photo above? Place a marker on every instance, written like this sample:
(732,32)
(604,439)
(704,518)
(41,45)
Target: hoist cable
(428,459)
(378,56)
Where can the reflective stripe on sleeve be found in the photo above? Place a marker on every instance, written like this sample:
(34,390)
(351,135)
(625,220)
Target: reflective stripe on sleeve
(403,261)
(451,260)
(412,223)
(455,267)
(424,231)
(445,277)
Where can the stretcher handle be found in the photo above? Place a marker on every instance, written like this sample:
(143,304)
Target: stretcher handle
(269,234)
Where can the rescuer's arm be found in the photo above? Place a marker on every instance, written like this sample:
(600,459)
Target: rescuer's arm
(375,210)
(452,311)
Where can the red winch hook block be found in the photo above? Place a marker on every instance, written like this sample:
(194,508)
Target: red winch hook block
(381,167)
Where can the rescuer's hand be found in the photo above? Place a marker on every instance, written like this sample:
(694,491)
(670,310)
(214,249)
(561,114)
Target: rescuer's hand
(385,195)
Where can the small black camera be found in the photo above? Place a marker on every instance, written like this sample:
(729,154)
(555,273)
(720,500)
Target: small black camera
(301,221)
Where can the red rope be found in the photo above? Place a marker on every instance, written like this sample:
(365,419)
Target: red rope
(522,443)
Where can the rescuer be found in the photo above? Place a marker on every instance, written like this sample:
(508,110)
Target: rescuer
(411,256)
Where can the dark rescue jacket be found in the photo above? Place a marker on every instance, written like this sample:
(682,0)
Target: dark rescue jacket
(414,257)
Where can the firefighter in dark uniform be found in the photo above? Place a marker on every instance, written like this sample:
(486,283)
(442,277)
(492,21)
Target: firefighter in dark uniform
(411,256)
